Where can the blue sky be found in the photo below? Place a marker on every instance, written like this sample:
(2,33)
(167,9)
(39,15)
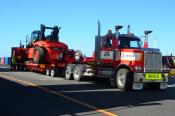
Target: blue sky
(78,19)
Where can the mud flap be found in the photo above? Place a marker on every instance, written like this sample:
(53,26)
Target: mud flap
(137,86)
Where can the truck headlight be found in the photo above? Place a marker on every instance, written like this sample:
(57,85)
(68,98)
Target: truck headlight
(138,68)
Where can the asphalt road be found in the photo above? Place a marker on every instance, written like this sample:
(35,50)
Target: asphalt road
(33,94)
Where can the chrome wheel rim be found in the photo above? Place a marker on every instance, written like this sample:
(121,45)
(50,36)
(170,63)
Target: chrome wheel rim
(52,73)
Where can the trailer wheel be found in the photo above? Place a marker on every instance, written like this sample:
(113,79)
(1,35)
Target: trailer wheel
(123,79)
(68,74)
(25,69)
(52,73)
(20,68)
(38,56)
(16,67)
(77,73)
(47,72)
(13,67)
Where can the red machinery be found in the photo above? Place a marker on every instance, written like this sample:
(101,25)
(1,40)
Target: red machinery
(18,58)
(46,53)
(120,58)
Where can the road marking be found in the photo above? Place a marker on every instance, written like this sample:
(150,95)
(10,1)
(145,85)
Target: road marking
(83,91)
(17,80)
(104,112)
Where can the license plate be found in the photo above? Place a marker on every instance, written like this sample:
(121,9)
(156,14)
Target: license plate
(153,76)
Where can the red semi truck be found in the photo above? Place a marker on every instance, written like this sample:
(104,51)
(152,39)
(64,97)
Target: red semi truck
(118,57)
(121,58)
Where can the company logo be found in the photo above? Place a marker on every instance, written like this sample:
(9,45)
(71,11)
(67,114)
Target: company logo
(131,56)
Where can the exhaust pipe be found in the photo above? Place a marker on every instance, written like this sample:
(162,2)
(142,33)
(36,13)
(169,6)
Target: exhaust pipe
(146,38)
(42,31)
(99,28)
(128,29)
(98,43)
(117,28)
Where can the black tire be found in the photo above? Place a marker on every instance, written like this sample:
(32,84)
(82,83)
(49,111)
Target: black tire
(67,73)
(124,79)
(38,56)
(53,72)
(20,68)
(16,67)
(77,73)
(12,67)
(47,72)
(25,68)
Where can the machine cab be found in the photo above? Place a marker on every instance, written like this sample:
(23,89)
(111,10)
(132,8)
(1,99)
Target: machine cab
(35,35)
(39,35)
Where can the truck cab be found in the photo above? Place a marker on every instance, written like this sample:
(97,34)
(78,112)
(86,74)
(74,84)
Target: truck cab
(121,58)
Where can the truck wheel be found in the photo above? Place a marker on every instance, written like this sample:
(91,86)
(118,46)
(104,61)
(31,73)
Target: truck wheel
(77,73)
(123,79)
(68,75)
(52,72)
(38,56)
(20,68)
(47,72)
(13,67)
(16,67)
(25,69)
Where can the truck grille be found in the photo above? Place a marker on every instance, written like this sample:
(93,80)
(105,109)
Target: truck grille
(153,62)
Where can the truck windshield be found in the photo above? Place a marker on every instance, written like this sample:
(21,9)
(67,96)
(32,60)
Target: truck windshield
(128,43)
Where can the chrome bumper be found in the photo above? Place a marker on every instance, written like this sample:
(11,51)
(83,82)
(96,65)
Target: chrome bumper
(141,78)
